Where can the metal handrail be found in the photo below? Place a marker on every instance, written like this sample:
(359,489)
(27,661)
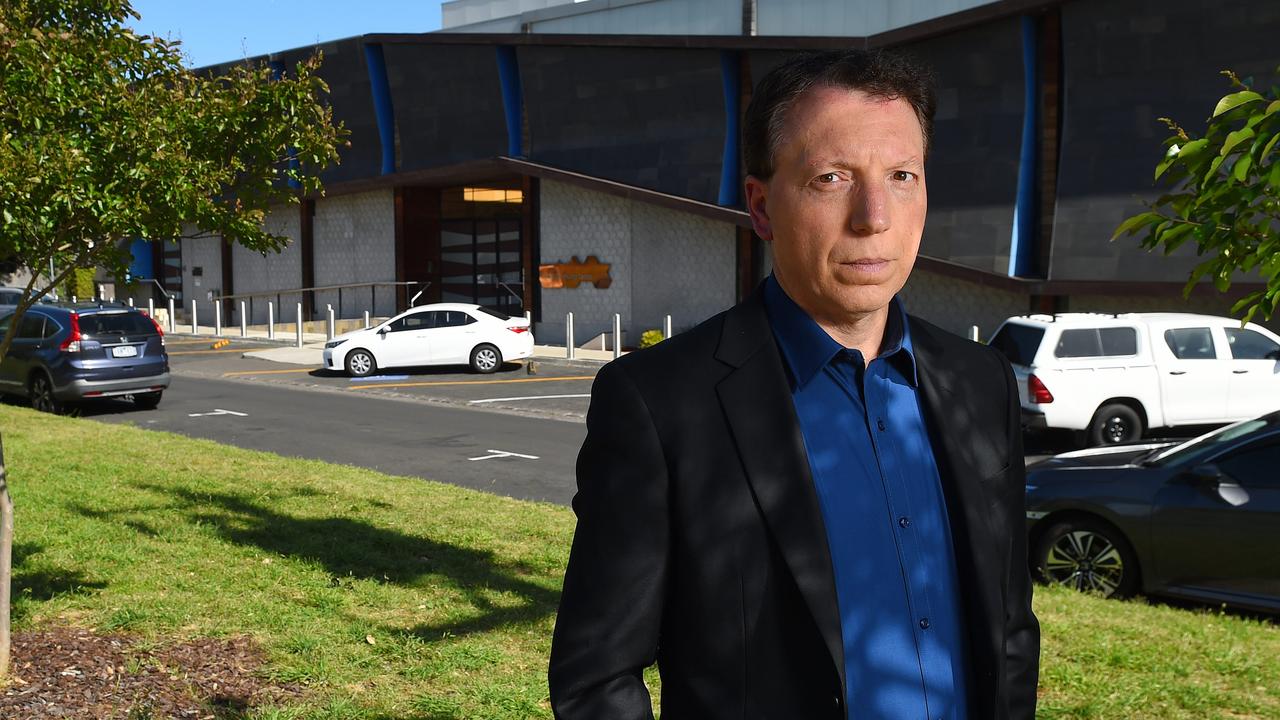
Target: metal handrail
(319,288)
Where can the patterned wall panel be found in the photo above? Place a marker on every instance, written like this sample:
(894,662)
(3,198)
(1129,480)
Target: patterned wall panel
(647,117)
(355,242)
(448,103)
(1123,70)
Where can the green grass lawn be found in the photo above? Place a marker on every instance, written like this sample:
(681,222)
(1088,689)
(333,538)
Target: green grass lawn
(396,598)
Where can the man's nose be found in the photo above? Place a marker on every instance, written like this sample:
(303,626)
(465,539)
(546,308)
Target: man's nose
(870,212)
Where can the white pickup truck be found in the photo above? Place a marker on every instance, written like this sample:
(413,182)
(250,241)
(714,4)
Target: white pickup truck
(1112,377)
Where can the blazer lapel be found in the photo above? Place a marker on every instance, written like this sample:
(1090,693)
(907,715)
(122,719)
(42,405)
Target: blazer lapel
(758,407)
(966,456)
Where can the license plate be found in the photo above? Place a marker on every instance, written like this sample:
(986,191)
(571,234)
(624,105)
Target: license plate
(124,351)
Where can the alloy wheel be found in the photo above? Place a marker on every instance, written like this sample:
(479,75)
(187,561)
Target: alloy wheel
(361,363)
(1085,560)
(1116,429)
(486,359)
(42,395)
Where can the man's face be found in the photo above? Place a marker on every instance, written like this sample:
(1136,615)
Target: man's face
(846,205)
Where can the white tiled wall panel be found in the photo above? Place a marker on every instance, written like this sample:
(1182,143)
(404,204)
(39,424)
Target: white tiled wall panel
(355,242)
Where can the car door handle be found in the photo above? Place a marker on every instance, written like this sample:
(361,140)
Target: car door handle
(1239,372)
(1177,372)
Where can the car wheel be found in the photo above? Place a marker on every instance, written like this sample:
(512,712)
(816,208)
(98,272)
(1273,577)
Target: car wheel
(41,394)
(1087,555)
(147,401)
(360,363)
(486,358)
(1113,424)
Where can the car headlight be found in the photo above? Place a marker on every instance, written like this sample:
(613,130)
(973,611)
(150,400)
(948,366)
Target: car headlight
(333,344)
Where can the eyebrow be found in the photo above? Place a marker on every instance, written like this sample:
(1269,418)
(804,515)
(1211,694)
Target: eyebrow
(909,161)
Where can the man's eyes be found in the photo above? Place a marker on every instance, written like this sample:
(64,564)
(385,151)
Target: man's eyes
(900,176)
(903,176)
(827,178)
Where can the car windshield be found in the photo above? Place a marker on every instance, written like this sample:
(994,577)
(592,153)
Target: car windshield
(1019,343)
(1205,445)
(115,325)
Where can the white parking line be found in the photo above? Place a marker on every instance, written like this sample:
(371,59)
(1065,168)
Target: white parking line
(529,397)
(218,411)
(503,454)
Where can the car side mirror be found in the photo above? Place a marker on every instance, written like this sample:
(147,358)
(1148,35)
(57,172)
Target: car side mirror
(383,331)
(1207,475)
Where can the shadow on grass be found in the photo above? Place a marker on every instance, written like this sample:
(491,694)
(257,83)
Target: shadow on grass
(33,585)
(349,548)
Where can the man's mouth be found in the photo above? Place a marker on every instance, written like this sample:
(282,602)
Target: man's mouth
(865,265)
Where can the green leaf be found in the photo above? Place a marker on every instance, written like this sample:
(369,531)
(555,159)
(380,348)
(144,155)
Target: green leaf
(1135,223)
(1188,151)
(1235,139)
(1267,150)
(1274,106)
(1173,238)
(1235,100)
(1241,170)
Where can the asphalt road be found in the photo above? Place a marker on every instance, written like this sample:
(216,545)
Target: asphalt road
(398,436)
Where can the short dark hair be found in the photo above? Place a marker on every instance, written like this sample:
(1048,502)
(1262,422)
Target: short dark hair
(884,74)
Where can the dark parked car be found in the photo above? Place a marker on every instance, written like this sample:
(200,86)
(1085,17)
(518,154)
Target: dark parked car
(66,353)
(1198,520)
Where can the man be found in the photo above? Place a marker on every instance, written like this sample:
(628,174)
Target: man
(811,505)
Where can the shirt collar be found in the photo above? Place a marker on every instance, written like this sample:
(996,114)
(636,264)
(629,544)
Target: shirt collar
(808,348)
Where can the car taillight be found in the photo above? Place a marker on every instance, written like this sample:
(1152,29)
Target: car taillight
(158,330)
(72,343)
(1038,392)
(519,329)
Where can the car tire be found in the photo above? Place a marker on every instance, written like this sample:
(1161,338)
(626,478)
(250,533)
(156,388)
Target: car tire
(1115,423)
(360,363)
(40,391)
(148,400)
(486,359)
(1088,555)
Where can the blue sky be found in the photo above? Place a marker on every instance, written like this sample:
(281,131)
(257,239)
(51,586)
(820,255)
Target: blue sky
(214,32)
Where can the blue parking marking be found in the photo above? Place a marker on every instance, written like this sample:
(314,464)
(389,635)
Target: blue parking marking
(379,378)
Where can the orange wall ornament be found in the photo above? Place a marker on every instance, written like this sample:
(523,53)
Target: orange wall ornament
(575,272)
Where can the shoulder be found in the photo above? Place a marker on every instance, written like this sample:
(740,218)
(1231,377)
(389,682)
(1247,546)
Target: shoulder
(957,352)
(687,355)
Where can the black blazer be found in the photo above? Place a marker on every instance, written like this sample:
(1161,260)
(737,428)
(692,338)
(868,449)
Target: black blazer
(700,542)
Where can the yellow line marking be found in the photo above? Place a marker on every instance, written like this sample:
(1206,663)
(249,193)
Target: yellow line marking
(271,372)
(207,352)
(168,341)
(473,382)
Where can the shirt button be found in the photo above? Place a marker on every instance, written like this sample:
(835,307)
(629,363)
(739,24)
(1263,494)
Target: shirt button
(924,623)
(880,424)
(904,522)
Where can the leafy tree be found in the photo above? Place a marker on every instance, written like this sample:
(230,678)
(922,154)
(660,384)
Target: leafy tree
(106,136)
(1225,196)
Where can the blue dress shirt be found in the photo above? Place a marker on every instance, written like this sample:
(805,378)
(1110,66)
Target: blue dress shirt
(885,514)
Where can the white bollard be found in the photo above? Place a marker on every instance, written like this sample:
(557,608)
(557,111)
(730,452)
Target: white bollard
(151,307)
(366,319)
(244,321)
(568,336)
(217,318)
(617,336)
(74,299)
(102,292)
(173,320)
(195,323)
(973,333)
(298,323)
(666,327)
(271,320)
(329,329)
(528,318)
(130,302)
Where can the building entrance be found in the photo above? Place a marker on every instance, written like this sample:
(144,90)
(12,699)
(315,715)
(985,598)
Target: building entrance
(481,253)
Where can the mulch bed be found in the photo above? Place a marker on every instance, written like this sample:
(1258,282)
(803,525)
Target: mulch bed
(76,673)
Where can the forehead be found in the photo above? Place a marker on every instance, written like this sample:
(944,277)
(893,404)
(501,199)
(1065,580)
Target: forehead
(851,120)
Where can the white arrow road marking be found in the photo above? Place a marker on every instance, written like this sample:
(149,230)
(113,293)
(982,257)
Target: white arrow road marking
(503,454)
(529,397)
(218,411)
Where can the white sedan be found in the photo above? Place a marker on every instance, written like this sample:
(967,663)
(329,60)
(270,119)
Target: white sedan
(439,334)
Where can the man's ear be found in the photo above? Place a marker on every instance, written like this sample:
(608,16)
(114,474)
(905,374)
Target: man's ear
(758,207)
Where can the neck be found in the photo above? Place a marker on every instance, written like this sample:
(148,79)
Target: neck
(863,332)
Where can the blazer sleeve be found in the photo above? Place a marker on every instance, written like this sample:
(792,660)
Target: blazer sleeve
(610,614)
(1022,631)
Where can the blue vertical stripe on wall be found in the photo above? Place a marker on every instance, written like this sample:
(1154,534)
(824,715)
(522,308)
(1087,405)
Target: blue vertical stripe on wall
(382,109)
(512,98)
(729,163)
(1021,250)
(143,263)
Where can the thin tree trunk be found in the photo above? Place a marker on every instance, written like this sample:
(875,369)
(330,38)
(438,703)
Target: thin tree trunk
(6,564)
